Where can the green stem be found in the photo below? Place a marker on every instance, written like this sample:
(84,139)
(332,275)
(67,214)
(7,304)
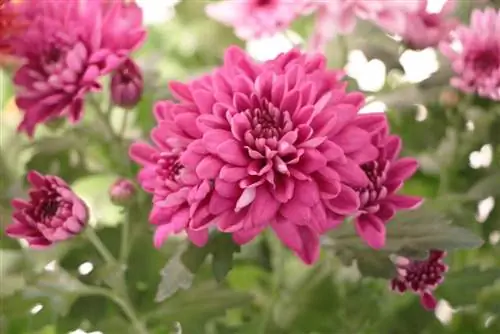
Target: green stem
(124,304)
(123,126)
(125,236)
(99,246)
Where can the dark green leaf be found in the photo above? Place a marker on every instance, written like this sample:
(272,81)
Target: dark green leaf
(489,186)
(375,264)
(223,248)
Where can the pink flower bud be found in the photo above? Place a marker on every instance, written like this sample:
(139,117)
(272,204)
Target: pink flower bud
(127,85)
(53,212)
(121,191)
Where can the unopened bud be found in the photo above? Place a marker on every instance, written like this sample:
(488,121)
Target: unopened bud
(122,191)
(127,85)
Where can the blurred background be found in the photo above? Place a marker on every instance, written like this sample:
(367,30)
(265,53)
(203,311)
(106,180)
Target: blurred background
(455,137)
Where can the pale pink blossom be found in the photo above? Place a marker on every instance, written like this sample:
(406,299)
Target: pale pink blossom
(425,29)
(379,200)
(257,18)
(66,48)
(257,145)
(340,16)
(475,54)
(52,214)
(421,277)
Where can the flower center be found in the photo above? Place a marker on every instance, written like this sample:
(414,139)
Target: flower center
(421,275)
(431,20)
(487,60)
(168,166)
(267,122)
(376,171)
(263,3)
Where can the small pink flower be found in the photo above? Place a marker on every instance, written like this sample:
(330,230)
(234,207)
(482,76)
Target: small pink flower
(267,144)
(257,18)
(340,17)
(421,277)
(428,29)
(67,47)
(475,55)
(52,214)
(127,85)
(122,191)
(387,173)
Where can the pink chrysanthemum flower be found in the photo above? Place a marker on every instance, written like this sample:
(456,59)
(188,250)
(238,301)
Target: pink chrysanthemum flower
(476,61)
(52,214)
(178,194)
(428,29)
(257,18)
(67,47)
(387,173)
(275,144)
(421,277)
(340,17)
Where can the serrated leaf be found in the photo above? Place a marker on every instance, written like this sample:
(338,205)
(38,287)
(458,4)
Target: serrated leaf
(468,282)
(179,271)
(488,186)
(223,249)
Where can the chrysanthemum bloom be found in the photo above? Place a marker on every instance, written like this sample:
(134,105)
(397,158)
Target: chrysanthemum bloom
(476,62)
(127,85)
(340,17)
(421,277)
(428,29)
(387,173)
(52,214)
(276,144)
(257,18)
(67,47)
(122,191)
(171,184)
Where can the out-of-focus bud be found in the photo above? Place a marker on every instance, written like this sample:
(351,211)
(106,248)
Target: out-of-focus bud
(122,191)
(449,98)
(127,85)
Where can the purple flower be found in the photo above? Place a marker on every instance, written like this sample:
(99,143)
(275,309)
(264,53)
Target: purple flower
(66,48)
(421,277)
(475,55)
(127,85)
(52,214)
(122,191)
(387,173)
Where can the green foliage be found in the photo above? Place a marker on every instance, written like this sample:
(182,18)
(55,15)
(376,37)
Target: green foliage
(131,287)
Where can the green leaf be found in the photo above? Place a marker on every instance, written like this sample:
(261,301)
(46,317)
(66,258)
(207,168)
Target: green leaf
(375,264)
(94,191)
(463,287)
(179,271)
(223,248)
(489,186)
(418,230)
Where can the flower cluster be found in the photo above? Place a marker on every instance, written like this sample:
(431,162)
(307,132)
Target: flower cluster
(66,47)
(278,144)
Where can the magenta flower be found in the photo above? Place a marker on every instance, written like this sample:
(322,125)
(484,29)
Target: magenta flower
(387,173)
(428,29)
(67,47)
(421,277)
(178,194)
(275,144)
(52,214)
(122,191)
(257,18)
(475,59)
(127,85)
(340,17)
